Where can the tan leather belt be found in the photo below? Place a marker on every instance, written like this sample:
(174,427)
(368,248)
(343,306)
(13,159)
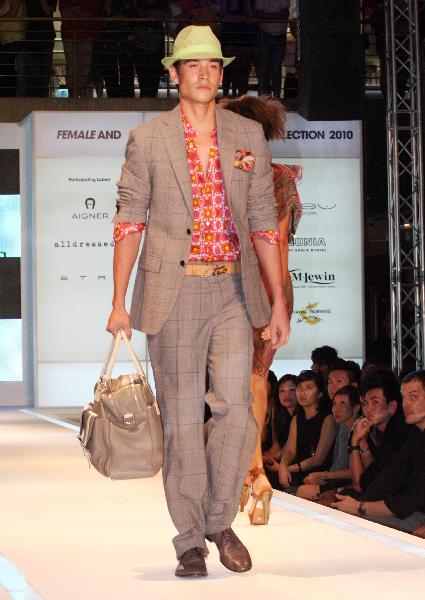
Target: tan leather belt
(213,268)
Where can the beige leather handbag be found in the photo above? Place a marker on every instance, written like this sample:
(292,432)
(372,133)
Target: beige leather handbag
(121,430)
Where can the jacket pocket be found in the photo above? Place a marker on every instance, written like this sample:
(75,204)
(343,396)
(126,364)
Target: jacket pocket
(151,263)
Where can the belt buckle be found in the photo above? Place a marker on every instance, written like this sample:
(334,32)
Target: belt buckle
(219,270)
(215,270)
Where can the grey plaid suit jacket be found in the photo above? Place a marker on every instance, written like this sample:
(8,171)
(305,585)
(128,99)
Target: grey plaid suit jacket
(155,188)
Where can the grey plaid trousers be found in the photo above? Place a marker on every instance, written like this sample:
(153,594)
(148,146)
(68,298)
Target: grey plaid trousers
(208,327)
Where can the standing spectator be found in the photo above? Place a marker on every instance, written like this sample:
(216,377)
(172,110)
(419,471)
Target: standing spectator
(272,44)
(12,34)
(342,373)
(321,359)
(205,12)
(116,61)
(374,11)
(149,44)
(78,38)
(39,42)
(237,41)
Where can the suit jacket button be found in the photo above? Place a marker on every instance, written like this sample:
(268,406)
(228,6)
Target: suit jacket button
(188,231)
(182,263)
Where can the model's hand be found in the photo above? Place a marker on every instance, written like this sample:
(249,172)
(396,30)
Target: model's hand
(279,326)
(266,333)
(361,429)
(285,476)
(119,319)
(346,504)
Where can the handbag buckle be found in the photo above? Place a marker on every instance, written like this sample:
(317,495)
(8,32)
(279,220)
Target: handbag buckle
(129,418)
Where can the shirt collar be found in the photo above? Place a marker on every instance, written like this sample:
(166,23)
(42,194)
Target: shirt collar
(189,131)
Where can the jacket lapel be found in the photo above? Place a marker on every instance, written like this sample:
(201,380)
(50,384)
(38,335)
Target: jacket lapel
(173,136)
(226,146)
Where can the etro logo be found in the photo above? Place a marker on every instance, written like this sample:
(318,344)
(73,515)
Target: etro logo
(324,278)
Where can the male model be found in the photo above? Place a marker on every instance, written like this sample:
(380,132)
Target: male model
(199,180)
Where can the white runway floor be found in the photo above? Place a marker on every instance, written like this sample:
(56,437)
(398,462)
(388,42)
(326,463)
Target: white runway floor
(66,533)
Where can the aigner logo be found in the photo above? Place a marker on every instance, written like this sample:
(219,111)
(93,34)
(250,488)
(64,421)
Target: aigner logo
(90,203)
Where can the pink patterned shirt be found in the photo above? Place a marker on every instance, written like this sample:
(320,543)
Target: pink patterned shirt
(214,236)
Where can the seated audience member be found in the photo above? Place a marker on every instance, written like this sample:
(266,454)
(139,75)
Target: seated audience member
(284,408)
(380,433)
(311,435)
(396,497)
(342,373)
(345,409)
(321,359)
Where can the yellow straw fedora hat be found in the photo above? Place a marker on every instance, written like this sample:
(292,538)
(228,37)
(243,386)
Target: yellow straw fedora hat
(196,41)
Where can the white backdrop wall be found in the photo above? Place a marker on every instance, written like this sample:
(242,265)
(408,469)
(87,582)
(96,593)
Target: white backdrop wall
(77,161)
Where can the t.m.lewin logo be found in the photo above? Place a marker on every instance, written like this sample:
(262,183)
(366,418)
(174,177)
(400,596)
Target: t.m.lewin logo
(311,314)
(312,279)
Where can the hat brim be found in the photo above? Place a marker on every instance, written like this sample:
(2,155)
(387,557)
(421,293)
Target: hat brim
(168,61)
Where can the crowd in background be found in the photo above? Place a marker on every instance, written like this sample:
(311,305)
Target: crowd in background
(108,55)
(350,438)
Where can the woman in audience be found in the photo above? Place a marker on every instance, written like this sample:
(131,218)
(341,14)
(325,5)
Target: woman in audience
(284,408)
(345,409)
(311,435)
(272,116)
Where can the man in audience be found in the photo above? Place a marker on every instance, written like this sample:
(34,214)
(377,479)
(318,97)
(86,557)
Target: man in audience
(321,359)
(379,435)
(342,373)
(396,497)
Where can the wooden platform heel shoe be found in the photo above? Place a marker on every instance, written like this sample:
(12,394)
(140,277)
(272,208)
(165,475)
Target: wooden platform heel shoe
(259,511)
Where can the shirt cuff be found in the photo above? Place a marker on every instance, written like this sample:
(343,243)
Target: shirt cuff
(123,229)
(271,235)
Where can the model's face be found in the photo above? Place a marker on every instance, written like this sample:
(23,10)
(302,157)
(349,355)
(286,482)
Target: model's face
(414,403)
(375,407)
(342,409)
(308,394)
(287,396)
(198,80)
(336,380)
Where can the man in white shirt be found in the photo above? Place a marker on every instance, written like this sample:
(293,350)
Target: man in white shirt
(272,44)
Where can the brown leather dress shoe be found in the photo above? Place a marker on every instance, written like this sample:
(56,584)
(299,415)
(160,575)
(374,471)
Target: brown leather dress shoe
(192,564)
(233,554)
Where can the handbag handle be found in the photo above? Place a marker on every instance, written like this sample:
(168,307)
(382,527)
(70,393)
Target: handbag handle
(112,354)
